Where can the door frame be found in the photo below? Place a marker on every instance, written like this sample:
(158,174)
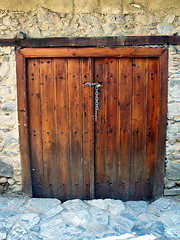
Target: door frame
(25,53)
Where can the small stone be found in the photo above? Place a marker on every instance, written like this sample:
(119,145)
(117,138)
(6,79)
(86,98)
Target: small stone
(3,180)
(4,69)
(52,222)
(164,28)
(79,217)
(159,206)
(6,169)
(129,216)
(175,93)
(75,204)
(52,212)
(174,110)
(11,181)
(99,203)
(169,184)
(35,228)
(116,206)
(6,58)
(9,106)
(139,230)
(125,223)
(157,227)
(120,230)
(96,228)
(10,139)
(173,170)
(138,207)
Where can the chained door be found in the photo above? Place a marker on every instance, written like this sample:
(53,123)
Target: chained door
(90,121)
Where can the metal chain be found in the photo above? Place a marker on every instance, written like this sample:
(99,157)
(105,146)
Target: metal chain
(96,103)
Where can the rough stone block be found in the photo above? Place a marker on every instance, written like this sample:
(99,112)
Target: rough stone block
(4,69)
(6,170)
(165,29)
(173,170)
(138,207)
(157,227)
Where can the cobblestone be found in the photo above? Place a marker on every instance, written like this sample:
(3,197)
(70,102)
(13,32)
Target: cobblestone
(49,219)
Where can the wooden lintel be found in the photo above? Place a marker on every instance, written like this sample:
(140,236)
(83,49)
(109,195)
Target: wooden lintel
(92,41)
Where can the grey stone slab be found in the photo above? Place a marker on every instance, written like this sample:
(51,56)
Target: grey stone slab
(129,216)
(115,206)
(52,212)
(96,228)
(99,203)
(175,208)
(9,106)
(138,207)
(35,228)
(95,211)
(157,227)
(173,170)
(59,232)
(29,220)
(52,222)
(159,206)
(170,218)
(139,230)
(119,230)
(124,222)
(75,204)
(76,218)
(41,205)
(6,170)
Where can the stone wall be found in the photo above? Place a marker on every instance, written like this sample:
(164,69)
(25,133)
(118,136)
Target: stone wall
(10,167)
(121,19)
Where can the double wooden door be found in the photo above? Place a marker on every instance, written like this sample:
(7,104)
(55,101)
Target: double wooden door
(85,142)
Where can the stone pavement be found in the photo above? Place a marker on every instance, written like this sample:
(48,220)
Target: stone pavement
(35,219)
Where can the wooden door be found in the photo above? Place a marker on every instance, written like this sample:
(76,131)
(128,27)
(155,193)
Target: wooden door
(71,154)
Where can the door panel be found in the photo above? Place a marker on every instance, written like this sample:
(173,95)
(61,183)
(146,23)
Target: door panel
(61,120)
(74,155)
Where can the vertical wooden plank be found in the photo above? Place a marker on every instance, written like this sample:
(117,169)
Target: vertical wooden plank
(34,123)
(111,143)
(152,76)
(88,127)
(23,122)
(75,127)
(62,132)
(48,128)
(138,147)
(162,123)
(100,129)
(124,115)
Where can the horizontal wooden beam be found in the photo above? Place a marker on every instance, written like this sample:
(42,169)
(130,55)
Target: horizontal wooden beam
(92,41)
